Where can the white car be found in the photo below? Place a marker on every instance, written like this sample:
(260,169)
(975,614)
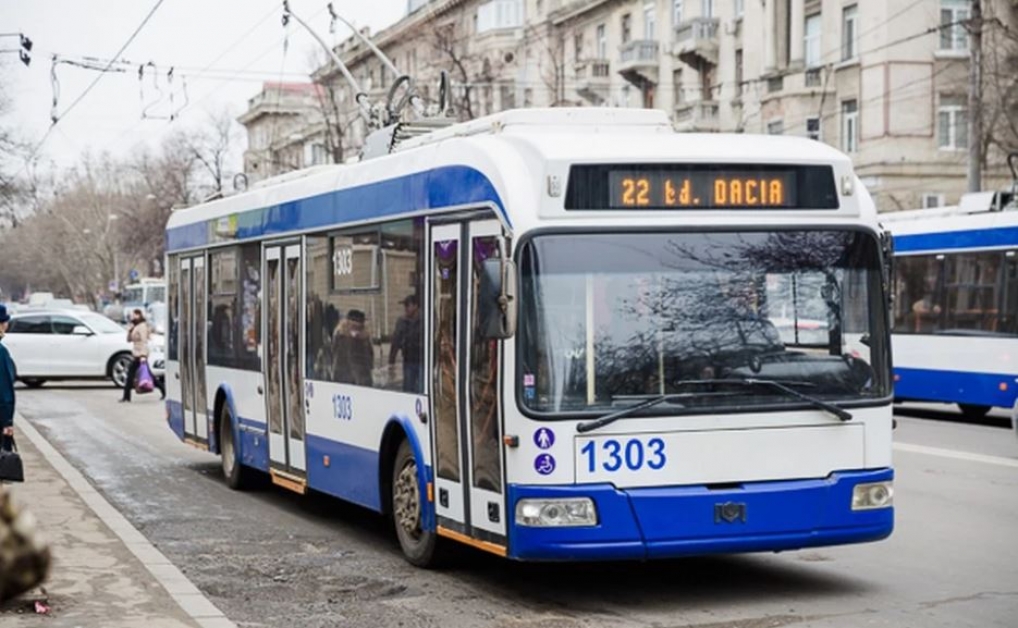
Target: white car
(70,344)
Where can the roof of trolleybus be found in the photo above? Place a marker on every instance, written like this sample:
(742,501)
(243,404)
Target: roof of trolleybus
(519,164)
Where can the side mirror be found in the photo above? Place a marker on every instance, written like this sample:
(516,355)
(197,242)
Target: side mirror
(81,330)
(496,298)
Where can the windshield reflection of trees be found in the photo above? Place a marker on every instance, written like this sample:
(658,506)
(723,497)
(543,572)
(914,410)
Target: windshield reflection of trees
(705,308)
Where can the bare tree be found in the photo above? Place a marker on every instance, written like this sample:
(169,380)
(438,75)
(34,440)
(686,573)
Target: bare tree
(213,148)
(1000,85)
(452,45)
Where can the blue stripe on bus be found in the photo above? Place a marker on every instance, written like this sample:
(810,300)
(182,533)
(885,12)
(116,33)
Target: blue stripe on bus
(981,389)
(352,473)
(681,521)
(448,186)
(968,239)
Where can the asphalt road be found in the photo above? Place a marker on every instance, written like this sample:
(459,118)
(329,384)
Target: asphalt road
(272,558)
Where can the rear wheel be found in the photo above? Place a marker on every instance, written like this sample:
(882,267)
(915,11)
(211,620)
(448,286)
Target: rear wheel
(118,369)
(418,544)
(33,382)
(973,411)
(237,476)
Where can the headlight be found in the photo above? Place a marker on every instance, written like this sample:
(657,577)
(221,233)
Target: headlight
(873,495)
(556,513)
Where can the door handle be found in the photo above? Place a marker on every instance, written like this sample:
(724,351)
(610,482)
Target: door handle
(261,390)
(176,376)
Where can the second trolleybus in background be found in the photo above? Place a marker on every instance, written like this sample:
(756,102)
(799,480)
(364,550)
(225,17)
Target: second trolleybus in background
(551,334)
(956,303)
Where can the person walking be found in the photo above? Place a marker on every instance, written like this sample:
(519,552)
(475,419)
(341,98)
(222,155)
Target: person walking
(8,375)
(138,334)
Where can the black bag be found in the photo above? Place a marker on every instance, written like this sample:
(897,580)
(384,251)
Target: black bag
(11,469)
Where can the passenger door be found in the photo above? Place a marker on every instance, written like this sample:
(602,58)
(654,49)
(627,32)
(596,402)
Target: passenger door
(78,354)
(284,381)
(464,374)
(28,341)
(193,331)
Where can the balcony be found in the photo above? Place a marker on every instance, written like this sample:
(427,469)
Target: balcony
(639,62)
(701,116)
(593,80)
(696,41)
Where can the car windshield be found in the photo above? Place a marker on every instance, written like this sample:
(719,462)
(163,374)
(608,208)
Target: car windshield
(610,319)
(133,295)
(101,324)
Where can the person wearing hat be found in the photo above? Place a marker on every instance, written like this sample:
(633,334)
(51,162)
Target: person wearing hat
(406,339)
(352,357)
(8,375)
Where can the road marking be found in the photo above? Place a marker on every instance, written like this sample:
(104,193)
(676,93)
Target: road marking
(957,455)
(192,601)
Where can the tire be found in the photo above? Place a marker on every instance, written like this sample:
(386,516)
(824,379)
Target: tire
(236,474)
(33,382)
(419,546)
(973,411)
(118,368)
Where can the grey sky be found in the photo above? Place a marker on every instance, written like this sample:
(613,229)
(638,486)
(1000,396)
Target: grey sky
(186,34)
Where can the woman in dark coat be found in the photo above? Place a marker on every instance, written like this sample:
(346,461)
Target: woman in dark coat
(8,375)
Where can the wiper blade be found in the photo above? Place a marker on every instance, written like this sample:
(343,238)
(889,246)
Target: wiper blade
(615,416)
(783,386)
(780,385)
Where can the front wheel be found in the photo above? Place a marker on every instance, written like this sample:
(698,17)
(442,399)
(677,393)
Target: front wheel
(418,544)
(119,368)
(973,411)
(237,476)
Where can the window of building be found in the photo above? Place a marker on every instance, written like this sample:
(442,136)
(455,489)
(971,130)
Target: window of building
(740,8)
(813,128)
(738,73)
(676,12)
(627,28)
(602,42)
(932,200)
(364,323)
(953,14)
(850,126)
(578,45)
(811,48)
(952,123)
(649,20)
(707,8)
(850,32)
(677,84)
(776,127)
(499,15)
(507,94)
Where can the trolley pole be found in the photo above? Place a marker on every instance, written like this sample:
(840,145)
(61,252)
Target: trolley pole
(975,104)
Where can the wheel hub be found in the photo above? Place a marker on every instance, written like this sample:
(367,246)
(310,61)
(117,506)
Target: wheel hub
(406,500)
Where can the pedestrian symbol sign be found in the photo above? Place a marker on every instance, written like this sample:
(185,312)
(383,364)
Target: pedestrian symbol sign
(544,438)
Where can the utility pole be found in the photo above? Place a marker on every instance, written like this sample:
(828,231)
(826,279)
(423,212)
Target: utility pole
(975,107)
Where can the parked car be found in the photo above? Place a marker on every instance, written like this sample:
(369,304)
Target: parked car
(69,344)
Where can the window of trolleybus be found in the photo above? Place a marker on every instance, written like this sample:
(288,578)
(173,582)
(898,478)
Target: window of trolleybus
(610,320)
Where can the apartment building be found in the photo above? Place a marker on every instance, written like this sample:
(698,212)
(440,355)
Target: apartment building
(883,80)
(285,129)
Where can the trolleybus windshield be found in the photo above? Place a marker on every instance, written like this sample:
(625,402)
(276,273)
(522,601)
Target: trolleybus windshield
(609,319)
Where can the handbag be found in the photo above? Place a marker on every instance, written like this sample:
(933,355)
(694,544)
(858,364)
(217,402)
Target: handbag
(11,468)
(144,382)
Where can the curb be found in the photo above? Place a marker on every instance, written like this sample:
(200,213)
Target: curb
(192,601)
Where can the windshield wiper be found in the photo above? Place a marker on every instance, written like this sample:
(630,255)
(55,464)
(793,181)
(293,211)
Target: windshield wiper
(783,386)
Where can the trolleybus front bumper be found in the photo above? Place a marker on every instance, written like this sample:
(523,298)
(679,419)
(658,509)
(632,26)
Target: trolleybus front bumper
(679,521)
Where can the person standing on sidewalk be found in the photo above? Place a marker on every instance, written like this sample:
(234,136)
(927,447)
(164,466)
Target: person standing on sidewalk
(8,375)
(138,334)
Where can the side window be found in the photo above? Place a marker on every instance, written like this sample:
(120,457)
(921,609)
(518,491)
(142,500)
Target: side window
(248,321)
(972,285)
(173,314)
(364,324)
(31,325)
(222,302)
(919,294)
(64,325)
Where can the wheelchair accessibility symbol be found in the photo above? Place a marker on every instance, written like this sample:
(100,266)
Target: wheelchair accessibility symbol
(544,464)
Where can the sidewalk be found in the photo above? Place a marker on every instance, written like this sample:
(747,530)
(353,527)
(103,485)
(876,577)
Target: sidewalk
(105,574)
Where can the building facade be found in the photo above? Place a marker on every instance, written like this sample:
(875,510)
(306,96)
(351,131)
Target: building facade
(884,80)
